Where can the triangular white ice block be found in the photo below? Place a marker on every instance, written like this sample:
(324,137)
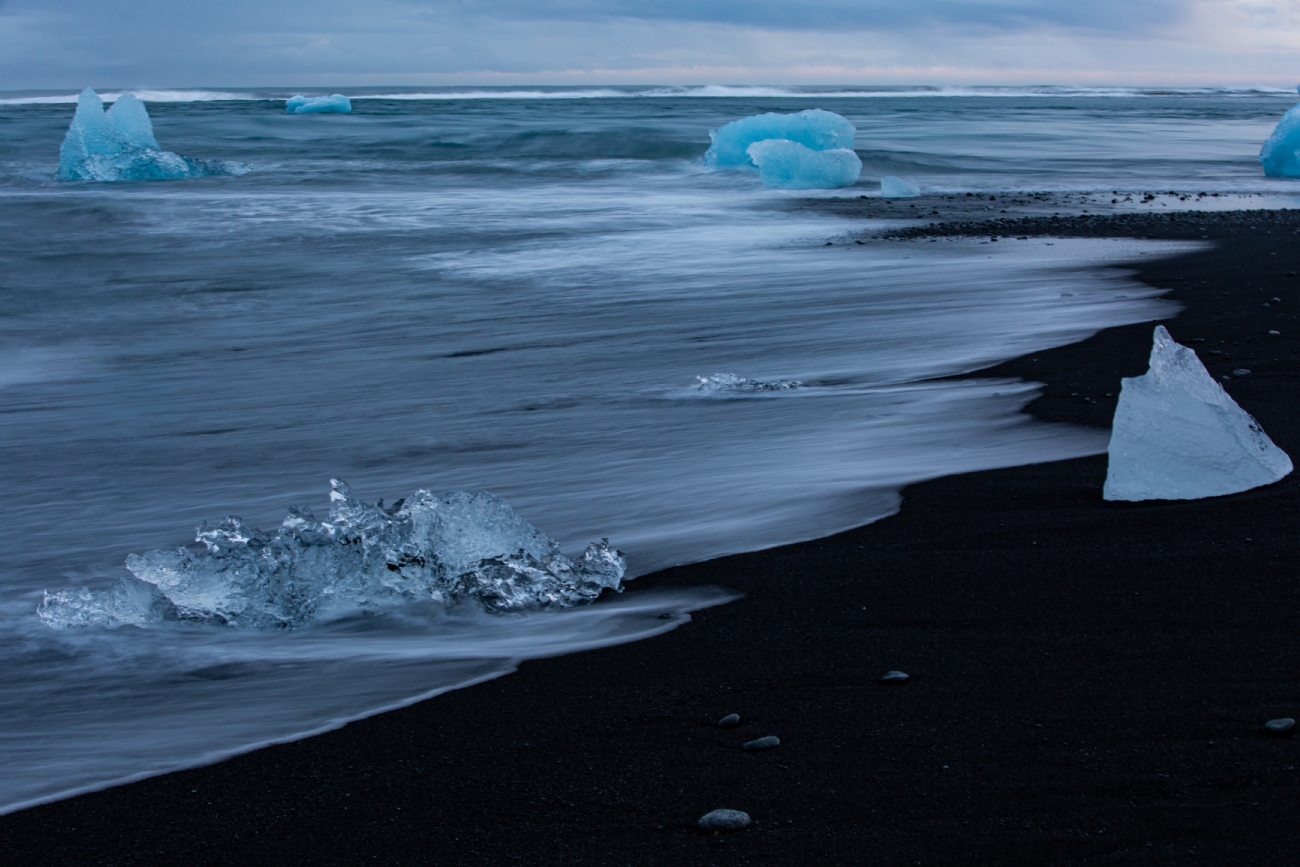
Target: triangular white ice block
(1179,436)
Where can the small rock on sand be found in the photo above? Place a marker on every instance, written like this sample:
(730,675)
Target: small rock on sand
(731,720)
(724,820)
(894,677)
(1279,728)
(766,743)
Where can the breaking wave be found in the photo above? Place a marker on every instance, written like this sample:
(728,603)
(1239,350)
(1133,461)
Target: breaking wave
(363,558)
(716,91)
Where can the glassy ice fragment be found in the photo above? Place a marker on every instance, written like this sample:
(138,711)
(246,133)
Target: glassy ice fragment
(449,549)
(1177,434)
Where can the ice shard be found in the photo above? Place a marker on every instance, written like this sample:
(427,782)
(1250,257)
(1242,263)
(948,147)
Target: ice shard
(334,104)
(1177,434)
(460,547)
(119,145)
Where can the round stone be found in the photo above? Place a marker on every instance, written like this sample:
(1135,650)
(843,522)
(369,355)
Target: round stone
(729,721)
(894,677)
(724,820)
(766,743)
(1279,728)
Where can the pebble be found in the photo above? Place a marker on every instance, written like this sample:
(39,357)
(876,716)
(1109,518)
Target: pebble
(767,743)
(1275,333)
(1241,371)
(894,677)
(724,820)
(1279,728)
(731,720)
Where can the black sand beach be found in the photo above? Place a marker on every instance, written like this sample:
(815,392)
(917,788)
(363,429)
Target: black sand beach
(1088,680)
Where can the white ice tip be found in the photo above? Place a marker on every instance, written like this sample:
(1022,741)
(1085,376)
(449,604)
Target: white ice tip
(1178,435)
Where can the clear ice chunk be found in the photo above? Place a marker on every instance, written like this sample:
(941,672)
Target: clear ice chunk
(119,145)
(725,383)
(815,129)
(897,188)
(1280,154)
(335,103)
(1177,434)
(788,165)
(460,547)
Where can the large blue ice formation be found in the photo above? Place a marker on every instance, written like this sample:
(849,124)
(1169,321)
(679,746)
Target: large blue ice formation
(335,103)
(897,188)
(788,165)
(362,558)
(1280,154)
(815,129)
(119,145)
(818,161)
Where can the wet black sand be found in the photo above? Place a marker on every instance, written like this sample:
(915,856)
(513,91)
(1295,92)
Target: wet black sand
(1089,680)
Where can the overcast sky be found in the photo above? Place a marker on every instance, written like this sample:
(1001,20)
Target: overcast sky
(185,43)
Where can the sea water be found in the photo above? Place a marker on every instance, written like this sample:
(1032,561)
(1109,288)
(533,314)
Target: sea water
(544,294)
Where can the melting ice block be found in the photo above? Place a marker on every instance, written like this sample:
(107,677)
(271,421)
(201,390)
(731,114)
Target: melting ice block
(1280,154)
(788,165)
(897,188)
(119,145)
(1179,436)
(335,103)
(458,547)
(815,129)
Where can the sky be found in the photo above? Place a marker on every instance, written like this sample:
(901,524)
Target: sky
(247,43)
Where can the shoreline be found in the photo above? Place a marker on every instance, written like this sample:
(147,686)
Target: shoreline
(1088,679)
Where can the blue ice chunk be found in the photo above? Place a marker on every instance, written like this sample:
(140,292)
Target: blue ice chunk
(788,165)
(120,146)
(335,103)
(1280,154)
(815,129)
(897,188)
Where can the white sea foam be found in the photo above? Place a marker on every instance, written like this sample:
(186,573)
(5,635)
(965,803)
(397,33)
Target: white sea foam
(712,91)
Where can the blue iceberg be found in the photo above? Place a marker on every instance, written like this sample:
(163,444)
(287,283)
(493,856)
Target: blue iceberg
(119,145)
(334,104)
(815,129)
(1280,154)
(788,165)
(897,188)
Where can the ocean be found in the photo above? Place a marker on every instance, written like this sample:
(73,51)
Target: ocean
(540,293)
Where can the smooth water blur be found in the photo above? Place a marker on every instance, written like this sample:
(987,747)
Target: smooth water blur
(516,293)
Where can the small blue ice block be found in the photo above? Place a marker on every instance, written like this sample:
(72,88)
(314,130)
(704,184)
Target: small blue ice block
(334,104)
(897,188)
